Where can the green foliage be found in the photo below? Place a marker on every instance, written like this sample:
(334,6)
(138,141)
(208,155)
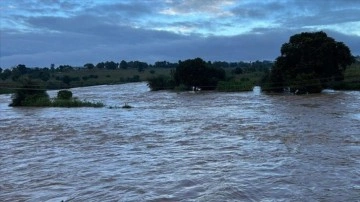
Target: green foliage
(160,82)
(123,64)
(351,79)
(309,57)
(33,95)
(305,83)
(64,95)
(74,103)
(89,66)
(5,74)
(64,99)
(66,76)
(237,70)
(196,72)
(30,94)
(235,86)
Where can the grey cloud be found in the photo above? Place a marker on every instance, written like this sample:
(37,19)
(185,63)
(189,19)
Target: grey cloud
(294,14)
(256,10)
(161,46)
(87,36)
(194,6)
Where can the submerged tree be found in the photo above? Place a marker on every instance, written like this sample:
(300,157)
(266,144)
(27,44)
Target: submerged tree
(309,62)
(196,72)
(64,95)
(30,94)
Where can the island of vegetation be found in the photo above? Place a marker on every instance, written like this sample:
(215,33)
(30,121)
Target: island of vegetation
(32,95)
(309,63)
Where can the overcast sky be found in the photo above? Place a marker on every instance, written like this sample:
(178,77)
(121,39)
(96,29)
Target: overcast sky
(75,32)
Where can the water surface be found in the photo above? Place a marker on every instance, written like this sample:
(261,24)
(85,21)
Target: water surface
(170,146)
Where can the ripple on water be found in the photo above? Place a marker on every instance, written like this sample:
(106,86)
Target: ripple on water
(183,147)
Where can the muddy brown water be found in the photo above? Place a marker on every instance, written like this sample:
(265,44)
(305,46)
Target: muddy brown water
(205,146)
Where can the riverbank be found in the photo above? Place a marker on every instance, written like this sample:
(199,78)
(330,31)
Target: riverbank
(82,77)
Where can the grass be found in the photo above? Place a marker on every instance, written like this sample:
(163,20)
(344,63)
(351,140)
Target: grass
(352,77)
(240,82)
(86,77)
(74,103)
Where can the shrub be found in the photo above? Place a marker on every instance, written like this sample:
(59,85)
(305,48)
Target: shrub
(64,95)
(75,103)
(160,82)
(30,94)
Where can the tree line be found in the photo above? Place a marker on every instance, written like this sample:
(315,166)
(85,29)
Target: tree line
(309,62)
(44,74)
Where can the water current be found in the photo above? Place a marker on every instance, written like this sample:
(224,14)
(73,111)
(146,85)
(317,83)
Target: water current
(206,146)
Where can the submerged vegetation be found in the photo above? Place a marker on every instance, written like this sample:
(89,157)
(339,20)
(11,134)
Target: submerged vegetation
(33,95)
(197,74)
(309,62)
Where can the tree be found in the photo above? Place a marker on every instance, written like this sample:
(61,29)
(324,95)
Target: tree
(64,68)
(64,95)
(89,66)
(309,62)
(5,74)
(100,65)
(111,65)
(196,72)
(160,82)
(30,94)
(123,64)
(237,70)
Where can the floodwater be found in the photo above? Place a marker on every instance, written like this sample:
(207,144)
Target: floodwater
(205,146)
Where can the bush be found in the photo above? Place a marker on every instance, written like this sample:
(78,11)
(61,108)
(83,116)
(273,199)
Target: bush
(306,83)
(75,103)
(30,94)
(198,73)
(160,82)
(64,95)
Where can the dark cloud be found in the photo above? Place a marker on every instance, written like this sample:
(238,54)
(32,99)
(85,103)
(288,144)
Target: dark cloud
(76,32)
(258,10)
(164,46)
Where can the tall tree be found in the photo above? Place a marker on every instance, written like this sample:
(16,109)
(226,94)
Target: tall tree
(196,72)
(89,66)
(123,64)
(111,65)
(309,62)
(100,65)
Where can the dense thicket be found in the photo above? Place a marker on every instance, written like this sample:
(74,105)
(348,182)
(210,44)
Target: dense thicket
(308,63)
(30,94)
(196,73)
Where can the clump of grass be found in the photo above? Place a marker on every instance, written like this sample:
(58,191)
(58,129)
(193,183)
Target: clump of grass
(65,99)
(126,106)
(75,103)
(235,86)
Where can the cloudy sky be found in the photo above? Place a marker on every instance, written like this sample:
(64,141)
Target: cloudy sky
(75,32)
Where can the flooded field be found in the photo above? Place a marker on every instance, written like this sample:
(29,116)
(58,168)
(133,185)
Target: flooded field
(205,146)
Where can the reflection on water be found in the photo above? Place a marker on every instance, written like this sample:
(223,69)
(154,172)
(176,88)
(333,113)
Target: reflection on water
(205,146)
